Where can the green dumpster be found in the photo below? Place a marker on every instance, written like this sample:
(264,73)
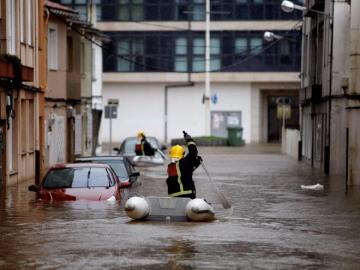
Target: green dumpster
(235,136)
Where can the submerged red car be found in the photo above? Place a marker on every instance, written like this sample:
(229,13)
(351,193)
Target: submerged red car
(80,181)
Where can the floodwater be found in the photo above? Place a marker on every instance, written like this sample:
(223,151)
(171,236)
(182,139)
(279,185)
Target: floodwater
(274,225)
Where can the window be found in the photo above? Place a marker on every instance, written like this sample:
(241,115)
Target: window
(131,54)
(82,58)
(22,21)
(123,50)
(52,47)
(30,122)
(181,9)
(181,55)
(198,54)
(30,24)
(199,10)
(130,10)
(215,52)
(256,45)
(241,45)
(70,52)
(10,10)
(97,4)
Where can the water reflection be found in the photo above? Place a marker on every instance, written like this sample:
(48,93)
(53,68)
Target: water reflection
(275,224)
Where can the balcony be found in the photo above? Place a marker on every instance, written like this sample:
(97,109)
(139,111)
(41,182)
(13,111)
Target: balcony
(7,71)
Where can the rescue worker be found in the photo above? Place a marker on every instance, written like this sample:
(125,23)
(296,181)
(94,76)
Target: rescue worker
(180,170)
(143,147)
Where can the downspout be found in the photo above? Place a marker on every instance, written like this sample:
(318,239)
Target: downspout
(327,148)
(189,83)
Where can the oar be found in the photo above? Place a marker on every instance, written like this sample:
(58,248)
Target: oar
(224,202)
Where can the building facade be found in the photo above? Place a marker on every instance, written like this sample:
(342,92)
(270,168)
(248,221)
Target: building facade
(155,63)
(91,74)
(325,78)
(21,88)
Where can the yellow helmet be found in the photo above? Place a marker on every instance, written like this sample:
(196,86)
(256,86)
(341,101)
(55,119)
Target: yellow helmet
(140,134)
(176,151)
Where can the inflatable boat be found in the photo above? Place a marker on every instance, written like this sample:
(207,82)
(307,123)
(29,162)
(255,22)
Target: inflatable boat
(169,209)
(145,161)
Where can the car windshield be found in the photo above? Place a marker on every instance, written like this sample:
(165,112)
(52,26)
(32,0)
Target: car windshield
(77,178)
(119,168)
(130,144)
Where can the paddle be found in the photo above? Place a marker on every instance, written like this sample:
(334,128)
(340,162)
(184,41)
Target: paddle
(224,202)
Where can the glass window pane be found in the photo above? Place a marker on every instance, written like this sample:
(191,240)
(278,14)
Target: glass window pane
(137,47)
(240,45)
(284,47)
(256,45)
(123,1)
(123,64)
(137,13)
(98,177)
(241,1)
(137,1)
(215,64)
(181,46)
(181,63)
(80,1)
(124,13)
(119,168)
(198,12)
(199,46)
(258,1)
(199,63)
(82,12)
(123,47)
(214,46)
(66,2)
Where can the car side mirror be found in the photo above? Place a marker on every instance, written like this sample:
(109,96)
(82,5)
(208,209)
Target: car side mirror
(116,149)
(133,177)
(33,188)
(135,174)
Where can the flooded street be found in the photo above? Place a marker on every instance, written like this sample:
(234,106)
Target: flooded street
(274,225)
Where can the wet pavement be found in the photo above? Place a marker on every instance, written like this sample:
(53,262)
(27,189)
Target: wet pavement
(274,225)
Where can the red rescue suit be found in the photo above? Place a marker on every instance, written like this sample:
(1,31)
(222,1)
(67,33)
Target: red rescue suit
(180,182)
(144,148)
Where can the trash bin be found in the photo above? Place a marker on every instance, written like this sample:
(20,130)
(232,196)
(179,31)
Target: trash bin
(235,136)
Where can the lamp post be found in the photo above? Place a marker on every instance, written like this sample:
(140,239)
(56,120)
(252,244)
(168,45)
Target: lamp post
(289,6)
(207,68)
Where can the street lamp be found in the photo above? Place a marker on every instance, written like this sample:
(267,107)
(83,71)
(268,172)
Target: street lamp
(289,6)
(270,36)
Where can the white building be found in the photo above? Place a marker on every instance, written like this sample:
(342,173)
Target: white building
(155,66)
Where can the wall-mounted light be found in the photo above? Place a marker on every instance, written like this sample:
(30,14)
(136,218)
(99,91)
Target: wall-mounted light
(289,6)
(270,36)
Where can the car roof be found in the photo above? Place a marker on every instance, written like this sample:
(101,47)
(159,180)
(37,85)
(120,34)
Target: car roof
(101,158)
(80,165)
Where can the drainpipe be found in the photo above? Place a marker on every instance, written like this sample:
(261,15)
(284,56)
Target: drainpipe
(327,147)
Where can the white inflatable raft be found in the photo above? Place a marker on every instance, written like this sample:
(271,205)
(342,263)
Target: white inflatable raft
(145,161)
(169,209)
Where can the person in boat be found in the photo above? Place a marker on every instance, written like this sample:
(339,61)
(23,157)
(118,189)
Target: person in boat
(180,170)
(143,147)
